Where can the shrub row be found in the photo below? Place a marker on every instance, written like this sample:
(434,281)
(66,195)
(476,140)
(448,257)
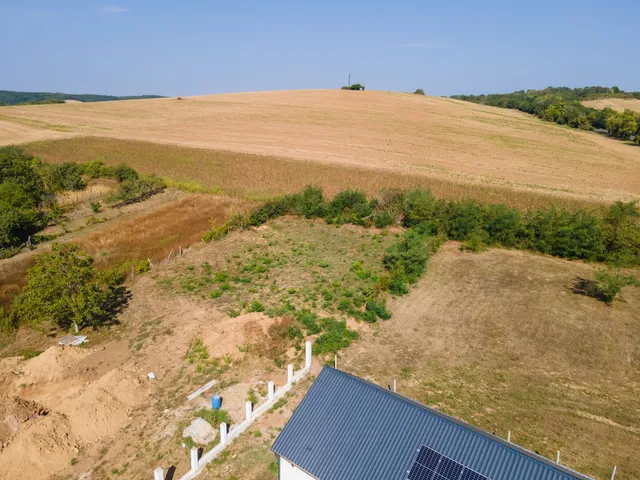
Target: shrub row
(611,235)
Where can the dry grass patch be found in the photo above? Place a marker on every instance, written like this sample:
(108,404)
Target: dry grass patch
(499,340)
(258,176)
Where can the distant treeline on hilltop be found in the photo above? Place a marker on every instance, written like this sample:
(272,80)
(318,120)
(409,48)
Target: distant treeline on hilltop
(8,97)
(564,106)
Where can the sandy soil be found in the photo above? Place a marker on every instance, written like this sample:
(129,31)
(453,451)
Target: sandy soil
(428,136)
(618,104)
(58,405)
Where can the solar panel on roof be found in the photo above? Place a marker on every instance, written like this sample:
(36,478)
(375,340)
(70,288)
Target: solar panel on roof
(431,465)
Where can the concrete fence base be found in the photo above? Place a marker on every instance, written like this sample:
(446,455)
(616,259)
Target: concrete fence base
(197,465)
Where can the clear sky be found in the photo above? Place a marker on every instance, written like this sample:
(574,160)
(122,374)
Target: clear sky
(196,47)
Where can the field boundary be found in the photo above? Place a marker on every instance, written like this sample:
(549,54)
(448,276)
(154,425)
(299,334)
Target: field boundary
(198,464)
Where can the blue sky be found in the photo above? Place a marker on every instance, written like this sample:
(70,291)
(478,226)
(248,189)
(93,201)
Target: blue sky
(196,47)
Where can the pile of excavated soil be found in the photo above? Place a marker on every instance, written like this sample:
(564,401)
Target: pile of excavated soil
(55,363)
(230,333)
(102,407)
(40,448)
(14,411)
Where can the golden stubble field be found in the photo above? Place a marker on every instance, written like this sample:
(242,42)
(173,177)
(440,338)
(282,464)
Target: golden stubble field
(393,132)
(618,104)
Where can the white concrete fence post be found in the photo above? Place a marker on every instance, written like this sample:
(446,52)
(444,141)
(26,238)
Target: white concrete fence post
(290,373)
(223,432)
(194,459)
(248,409)
(158,474)
(272,391)
(307,363)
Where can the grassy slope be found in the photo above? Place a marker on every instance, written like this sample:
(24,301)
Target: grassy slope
(497,339)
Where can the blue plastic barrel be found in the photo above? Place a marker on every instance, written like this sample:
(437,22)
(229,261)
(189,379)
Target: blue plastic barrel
(216,402)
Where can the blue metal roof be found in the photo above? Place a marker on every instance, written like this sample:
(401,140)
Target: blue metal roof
(346,428)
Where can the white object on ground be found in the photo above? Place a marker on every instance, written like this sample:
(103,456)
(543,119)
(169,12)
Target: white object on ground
(223,432)
(308,350)
(202,389)
(72,340)
(200,431)
(151,375)
(194,459)
(290,373)
(158,474)
(272,391)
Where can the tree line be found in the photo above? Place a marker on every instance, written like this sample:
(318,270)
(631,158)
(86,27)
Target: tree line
(563,106)
(10,97)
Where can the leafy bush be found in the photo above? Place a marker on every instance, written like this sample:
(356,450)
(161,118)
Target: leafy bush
(124,172)
(609,283)
(256,306)
(476,241)
(503,225)
(335,336)
(65,177)
(379,308)
(419,91)
(95,207)
(565,234)
(309,321)
(419,206)
(96,169)
(213,416)
(310,203)
(349,206)
(465,217)
(64,288)
(132,191)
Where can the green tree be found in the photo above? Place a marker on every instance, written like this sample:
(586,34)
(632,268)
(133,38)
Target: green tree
(22,194)
(64,177)
(622,124)
(65,288)
(419,91)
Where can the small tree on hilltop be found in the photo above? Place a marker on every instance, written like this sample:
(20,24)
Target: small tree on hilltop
(64,288)
(419,91)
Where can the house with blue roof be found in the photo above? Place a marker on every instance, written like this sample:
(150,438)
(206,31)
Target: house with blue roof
(347,428)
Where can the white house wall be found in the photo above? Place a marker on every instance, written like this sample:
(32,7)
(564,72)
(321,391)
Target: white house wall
(291,472)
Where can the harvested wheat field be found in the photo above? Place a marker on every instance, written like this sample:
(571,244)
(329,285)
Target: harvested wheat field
(392,132)
(618,104)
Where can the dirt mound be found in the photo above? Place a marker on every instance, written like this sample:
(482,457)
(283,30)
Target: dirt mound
(231,333)
(103,406)
(53,364)
(43,446)
(14,411)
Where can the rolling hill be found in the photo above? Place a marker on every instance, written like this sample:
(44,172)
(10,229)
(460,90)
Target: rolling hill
(424,137)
